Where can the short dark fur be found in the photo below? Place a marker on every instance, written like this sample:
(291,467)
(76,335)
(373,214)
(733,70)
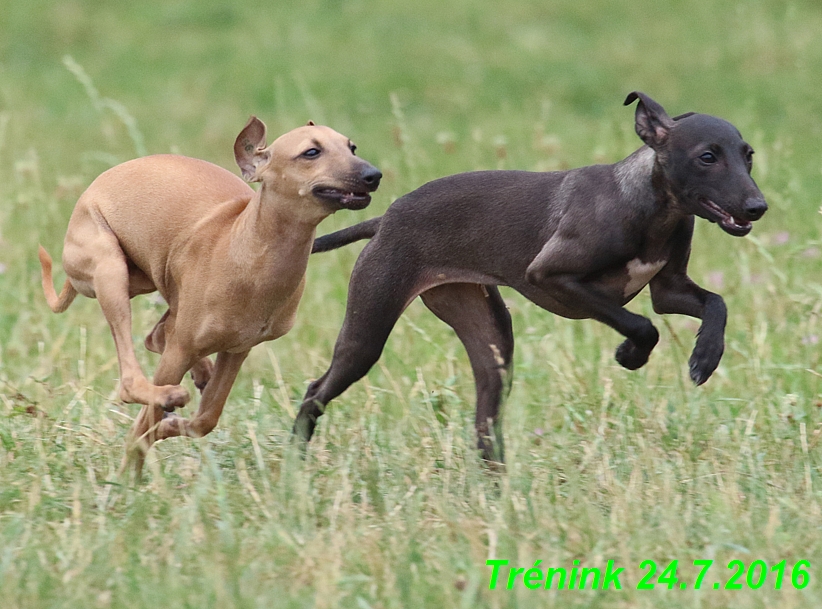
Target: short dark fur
(579,243)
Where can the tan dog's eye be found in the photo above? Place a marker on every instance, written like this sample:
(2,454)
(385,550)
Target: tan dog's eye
(311,153)
(353,148)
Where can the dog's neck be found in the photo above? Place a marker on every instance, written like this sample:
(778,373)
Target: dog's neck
(643,184)
(633,175)
(277,227)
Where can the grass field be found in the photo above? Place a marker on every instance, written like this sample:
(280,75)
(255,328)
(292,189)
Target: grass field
(392,507)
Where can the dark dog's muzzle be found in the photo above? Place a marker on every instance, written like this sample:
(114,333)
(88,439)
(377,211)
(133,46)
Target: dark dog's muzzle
(754,208)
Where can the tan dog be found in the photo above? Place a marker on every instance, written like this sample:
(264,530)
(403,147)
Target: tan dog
(229,261)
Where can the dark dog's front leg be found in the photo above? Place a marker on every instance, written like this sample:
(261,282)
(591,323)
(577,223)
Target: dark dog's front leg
(678,294)
(586,301)
(672,291)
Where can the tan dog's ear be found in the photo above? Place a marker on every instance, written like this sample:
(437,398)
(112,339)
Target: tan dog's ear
(249,149)
(310,124)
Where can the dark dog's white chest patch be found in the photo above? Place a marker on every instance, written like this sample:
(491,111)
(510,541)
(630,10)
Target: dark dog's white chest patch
(640,273)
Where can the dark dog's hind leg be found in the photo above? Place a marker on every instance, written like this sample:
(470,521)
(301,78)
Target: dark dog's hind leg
(478,315)
(377,296)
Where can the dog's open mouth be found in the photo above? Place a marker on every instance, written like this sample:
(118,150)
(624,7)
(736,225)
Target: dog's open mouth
(729,223)
(342,198)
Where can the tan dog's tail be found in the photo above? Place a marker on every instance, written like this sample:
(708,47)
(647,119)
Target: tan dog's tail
(60,303)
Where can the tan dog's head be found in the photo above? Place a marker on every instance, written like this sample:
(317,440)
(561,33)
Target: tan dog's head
(313,162)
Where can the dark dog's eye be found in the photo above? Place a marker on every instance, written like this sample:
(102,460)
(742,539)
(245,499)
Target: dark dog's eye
(709,158)
(311,153)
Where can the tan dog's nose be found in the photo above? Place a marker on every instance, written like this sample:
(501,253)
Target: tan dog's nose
(371,177)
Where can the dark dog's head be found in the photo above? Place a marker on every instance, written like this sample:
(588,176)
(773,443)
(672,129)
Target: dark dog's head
(312,162)
(706,163)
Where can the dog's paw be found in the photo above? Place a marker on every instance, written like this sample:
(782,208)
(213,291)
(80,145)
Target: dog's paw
(171,397)
(171,426)
(633,354)
(629,356)
(704,360)
(303,429)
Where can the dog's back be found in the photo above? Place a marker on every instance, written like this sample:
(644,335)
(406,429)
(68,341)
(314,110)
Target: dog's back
(176,194)
(497,220)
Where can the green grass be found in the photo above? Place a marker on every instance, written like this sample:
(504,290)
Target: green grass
(392,507)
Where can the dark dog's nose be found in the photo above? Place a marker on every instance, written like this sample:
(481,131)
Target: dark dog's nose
(755,208)
(371,176)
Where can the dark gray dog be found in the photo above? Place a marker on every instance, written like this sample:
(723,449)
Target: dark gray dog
(579,243)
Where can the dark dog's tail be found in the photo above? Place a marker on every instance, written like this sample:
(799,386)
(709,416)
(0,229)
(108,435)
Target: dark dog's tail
(331,241)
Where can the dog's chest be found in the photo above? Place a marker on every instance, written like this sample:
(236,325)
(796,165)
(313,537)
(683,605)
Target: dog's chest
(639,274)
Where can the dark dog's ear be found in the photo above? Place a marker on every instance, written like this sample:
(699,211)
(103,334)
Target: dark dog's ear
(679,117)
(652,122)
(249,149)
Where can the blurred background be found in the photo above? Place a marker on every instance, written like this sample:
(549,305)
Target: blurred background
(456,86)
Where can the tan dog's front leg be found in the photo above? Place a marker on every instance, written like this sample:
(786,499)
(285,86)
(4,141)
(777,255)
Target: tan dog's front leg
(156,343)
(212,402)
(153,424)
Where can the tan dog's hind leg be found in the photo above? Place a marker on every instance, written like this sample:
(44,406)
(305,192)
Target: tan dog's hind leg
(202,372)
(156,343)
(141,436)
(110,280)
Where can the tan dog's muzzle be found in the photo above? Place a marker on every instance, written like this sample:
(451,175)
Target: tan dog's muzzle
(354,194)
